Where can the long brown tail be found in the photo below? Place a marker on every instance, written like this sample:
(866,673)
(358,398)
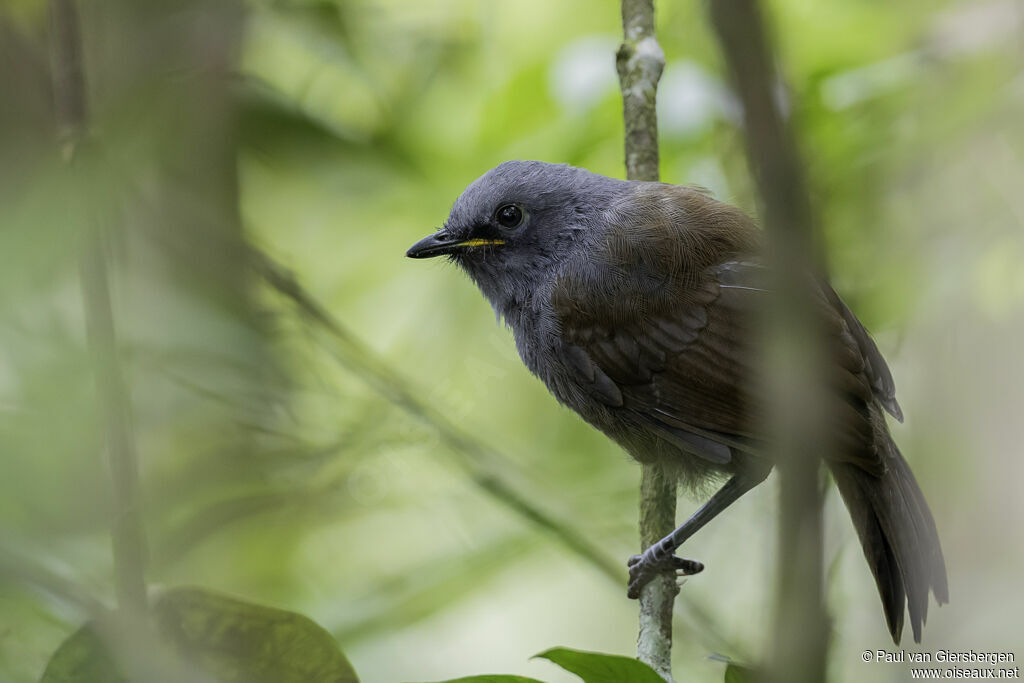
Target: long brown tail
(898,536)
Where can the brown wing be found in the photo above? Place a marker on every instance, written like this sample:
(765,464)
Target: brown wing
(674,347)
(877,370)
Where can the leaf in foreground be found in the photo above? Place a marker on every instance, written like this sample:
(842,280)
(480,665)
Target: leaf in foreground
(493,678)
(238,641)
(595,667)
(735,673)
(82,658)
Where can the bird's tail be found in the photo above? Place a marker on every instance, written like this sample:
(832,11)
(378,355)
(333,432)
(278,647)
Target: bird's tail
(898,536)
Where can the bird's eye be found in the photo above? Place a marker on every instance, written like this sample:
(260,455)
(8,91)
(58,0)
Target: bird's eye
(509,215)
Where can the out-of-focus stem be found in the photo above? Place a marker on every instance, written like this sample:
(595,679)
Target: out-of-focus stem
(126,527)
(795,363)
(480,462)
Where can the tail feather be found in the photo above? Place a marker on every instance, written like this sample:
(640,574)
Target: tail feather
(898,535)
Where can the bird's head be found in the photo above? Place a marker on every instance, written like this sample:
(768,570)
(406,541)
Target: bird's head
(512,226)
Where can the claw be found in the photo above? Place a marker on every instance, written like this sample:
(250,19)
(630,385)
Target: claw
(688,567)
(642,570)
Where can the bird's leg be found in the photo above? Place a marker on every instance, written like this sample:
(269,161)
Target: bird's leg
(661,556)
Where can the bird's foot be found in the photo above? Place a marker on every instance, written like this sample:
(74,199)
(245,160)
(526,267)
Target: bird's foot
(643,568)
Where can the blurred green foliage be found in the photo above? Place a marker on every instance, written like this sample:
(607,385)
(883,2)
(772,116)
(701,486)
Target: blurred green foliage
(223,639)
(331,134)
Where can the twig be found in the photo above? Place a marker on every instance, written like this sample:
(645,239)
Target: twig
(478,460)
(72,119)
(796,361)
(640,61)
(657,519)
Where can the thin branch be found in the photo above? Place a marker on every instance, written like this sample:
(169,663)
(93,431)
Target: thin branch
(478,460)
(657,520)
(72,119)
(796,356)
(640,62)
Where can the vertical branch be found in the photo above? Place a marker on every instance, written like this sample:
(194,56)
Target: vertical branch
(640,61)
(127,535)
(795,360)
(72,120)
(657,520)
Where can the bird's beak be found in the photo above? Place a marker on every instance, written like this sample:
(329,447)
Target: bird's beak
(442,243)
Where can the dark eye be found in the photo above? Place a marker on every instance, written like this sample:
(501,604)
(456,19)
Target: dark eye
(509,215)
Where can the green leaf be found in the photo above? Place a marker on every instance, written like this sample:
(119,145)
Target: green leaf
(82,658)
(493,678)
(594,667)
(238,641)
(735,673)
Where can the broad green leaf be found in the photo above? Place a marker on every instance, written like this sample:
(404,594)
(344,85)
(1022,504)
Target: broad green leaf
(493,678)
(595,667)
(82,658)
(735,673)
(239,641)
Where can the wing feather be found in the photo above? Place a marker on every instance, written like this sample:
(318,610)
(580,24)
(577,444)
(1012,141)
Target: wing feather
(662,325)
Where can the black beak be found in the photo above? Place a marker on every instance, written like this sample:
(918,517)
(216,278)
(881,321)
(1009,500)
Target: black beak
(433,245)
(441,243)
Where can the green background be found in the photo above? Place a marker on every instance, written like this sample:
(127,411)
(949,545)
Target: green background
(271,470)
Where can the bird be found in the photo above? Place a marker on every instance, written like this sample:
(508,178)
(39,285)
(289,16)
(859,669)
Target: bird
(637,304)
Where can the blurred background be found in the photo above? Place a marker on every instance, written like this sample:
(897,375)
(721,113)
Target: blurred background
(366,459)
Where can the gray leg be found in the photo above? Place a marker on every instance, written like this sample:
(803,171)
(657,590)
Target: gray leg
(661,557)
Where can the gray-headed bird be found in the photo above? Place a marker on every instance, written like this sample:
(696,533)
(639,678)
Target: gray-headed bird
(637,304)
